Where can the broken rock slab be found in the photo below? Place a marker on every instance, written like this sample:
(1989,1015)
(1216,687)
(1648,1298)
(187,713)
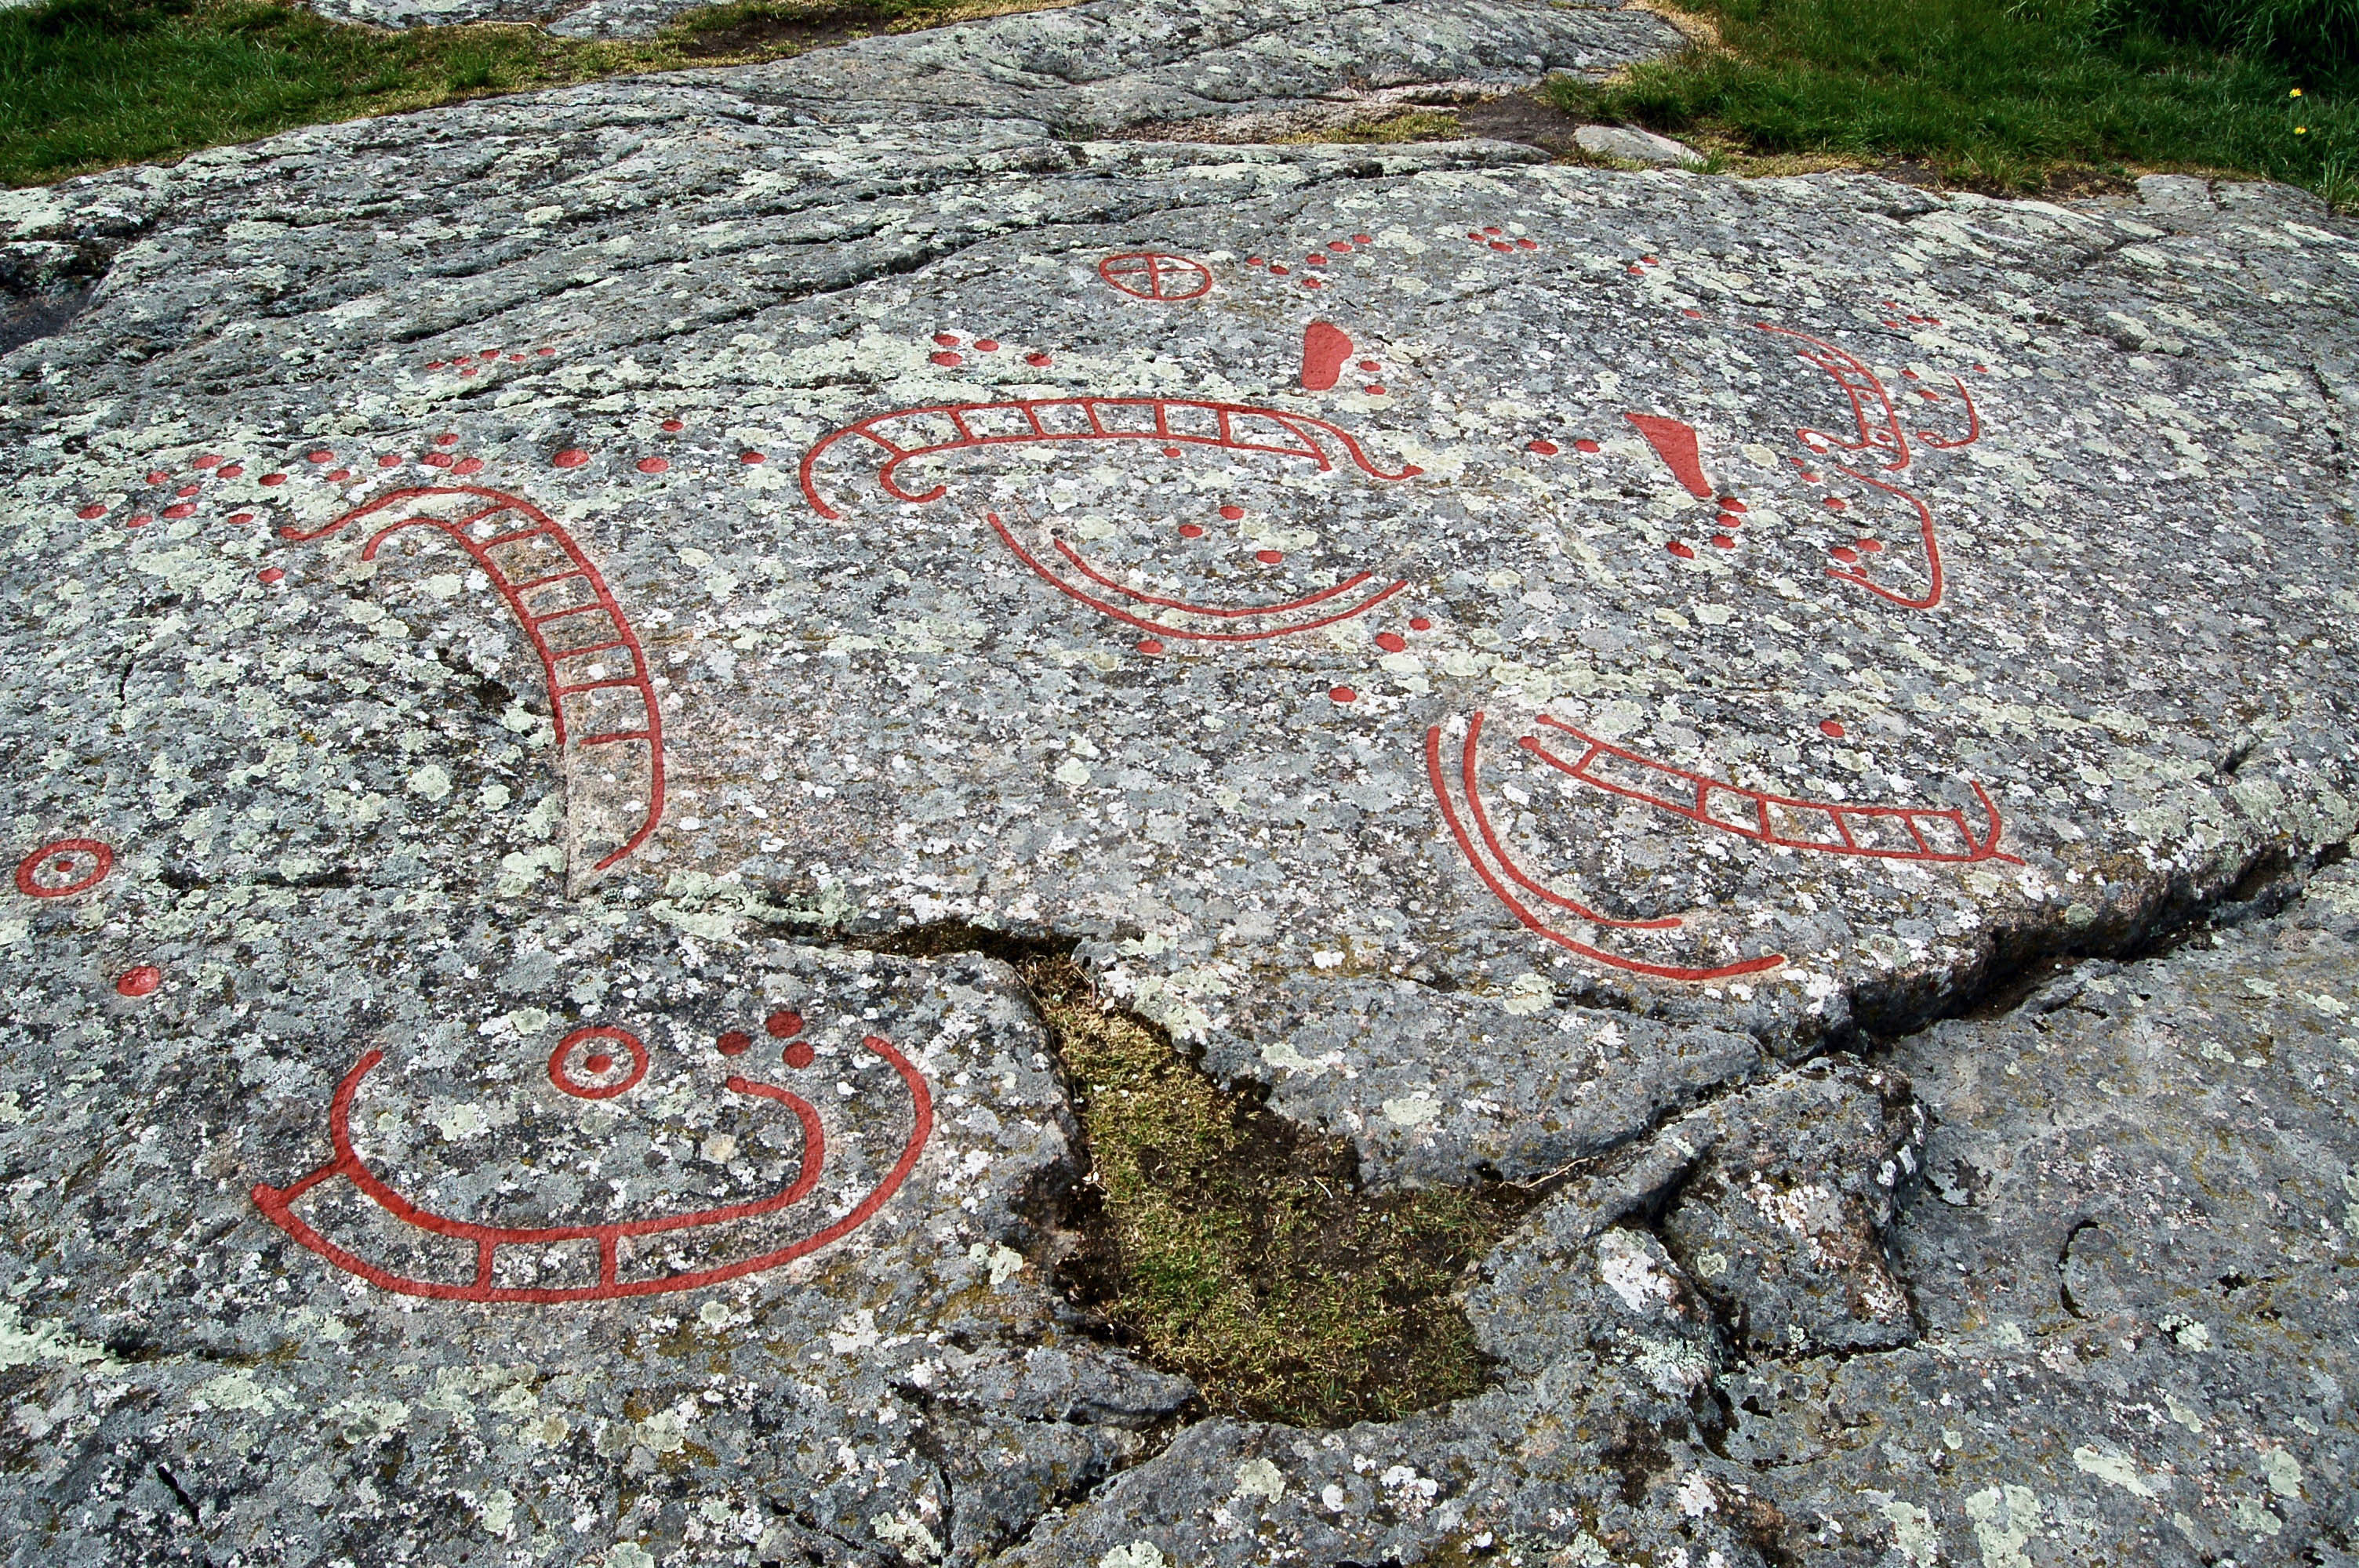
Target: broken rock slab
(1632,144)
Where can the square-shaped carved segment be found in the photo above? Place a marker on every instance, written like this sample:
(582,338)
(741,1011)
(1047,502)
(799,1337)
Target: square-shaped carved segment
(535,555)
(1885,830)
(1129,419)
(1188,419)
(1070,419)
(604,710)
(591,628)
(1647,784)
(350,1220)
(1731,808)
(606,664)
(991,422)
(1260,430)
(916,431)
(1809,828)
(546,1265)
(570,592)
(1943,833)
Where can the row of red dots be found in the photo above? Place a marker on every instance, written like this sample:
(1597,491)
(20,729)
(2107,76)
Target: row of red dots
(1495,237)
(946,353)
(469,364)
(1313,259)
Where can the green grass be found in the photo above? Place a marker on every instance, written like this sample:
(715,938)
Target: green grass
(2023,97)
(1226,1244)
(88,84)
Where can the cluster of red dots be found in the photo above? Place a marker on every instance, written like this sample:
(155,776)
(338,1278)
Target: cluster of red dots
(1542,447)
(472,364)
(1898,319)
(1496,239)
(1391,642)
(1731,518)
(947,345)
(784,1024)
(1313,261)
(1862,545)
(1643,263)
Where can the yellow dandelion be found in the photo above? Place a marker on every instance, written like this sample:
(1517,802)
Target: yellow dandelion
(2301,130)
(2295,93)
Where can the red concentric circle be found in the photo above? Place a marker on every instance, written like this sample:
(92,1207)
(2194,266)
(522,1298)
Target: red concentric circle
(68,866)
(599,1066)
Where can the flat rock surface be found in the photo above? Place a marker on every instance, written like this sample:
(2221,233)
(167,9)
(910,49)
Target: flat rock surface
(1545,672)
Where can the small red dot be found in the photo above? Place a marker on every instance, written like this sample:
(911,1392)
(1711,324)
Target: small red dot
(1313,283)
(797,1054)
(232,470)
(1280,268)
(1363,239)
(182,510)
(947,340)
(1232,513)
(388,460)
(654,465)
(1828,727)
(272,574)
(467,466)
(1037,361)
(274,478)
(1730,503)
(1844,553)
(140,980)
(1680,550)
(91,511)
(598,1062)
(674,424)
(436,459)
(736,1043)
(1420,624)
(1724,541)
(337,476)
(1371,366)
(987,345)
(945,359)
(751,458)
(1544,448)
(571,458)
(1341,694)
(447,438)
(1837,503)
(1339,244)
(1269,557)
(1528,244)
(1149,645)
(1871,546)
(1374,389)
(210,460)
(157,477)
(1191,530)
(239,519)
(1392,641)
(783,1023)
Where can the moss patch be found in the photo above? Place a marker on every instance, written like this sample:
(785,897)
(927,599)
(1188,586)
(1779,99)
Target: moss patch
(1225,1243)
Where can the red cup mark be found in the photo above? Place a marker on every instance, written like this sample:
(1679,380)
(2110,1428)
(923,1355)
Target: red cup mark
(1871,546)
(239,519)
(1837,503)
(1584,445)
(798,1054)
(1828,727)
(1683,551)
(1419,623)
(1544,448)
(274,478)
(186,491)
(451,438)
(64,866)
(138,520)
(1191,530)
(944,358)
(947,340)
(1038,361)
(141,979)
(1363,239)
(1374,389)
(654,465)
(1844,554)
(181,509)
(1722,541)
(735,1042)
(783,1023)
(571,458)
(337,476)
(1232,513)
(91,513)
(1341,694)
(1314,259)
(1269,557)
(1324,349)
(675,425)
(272,574)
(987,345)
(388,460)
(1149,645)
(158,476)
(436,459)
(1392,641)
(1338,245)
(210,460)
(467,466)
(751,458)
(597,1063)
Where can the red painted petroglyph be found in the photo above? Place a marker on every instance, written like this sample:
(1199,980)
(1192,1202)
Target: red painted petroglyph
(279,1203)
(910,433)
(1151,275)
(1925,833)
(1491,862)
(1324,349)
(63,868)
(559,588)
(1674,441)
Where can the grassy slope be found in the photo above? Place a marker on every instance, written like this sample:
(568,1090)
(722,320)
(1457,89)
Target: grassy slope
(88,84)
(1999,96)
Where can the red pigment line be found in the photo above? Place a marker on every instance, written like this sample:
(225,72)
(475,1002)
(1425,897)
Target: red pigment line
(1491,842)
(276,1205)
(1879,429)
(1127,593)
(1973,424)
(1834,812)
(1539,927)
(1061,586)
(1675,442)
(603,597)
(1324,350)
(1932,595)
(1299,426)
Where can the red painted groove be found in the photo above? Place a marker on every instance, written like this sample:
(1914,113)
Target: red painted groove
(1533,922)
(1933,594)
(1690,796)
(1225,414)
(1167,278)
(1881,433)
(277,1205)
(1491,842)
(1096,576)
(579,566)
(1008,537)
(1974,423)
(1674,441)
(1324,349)
(101,857)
